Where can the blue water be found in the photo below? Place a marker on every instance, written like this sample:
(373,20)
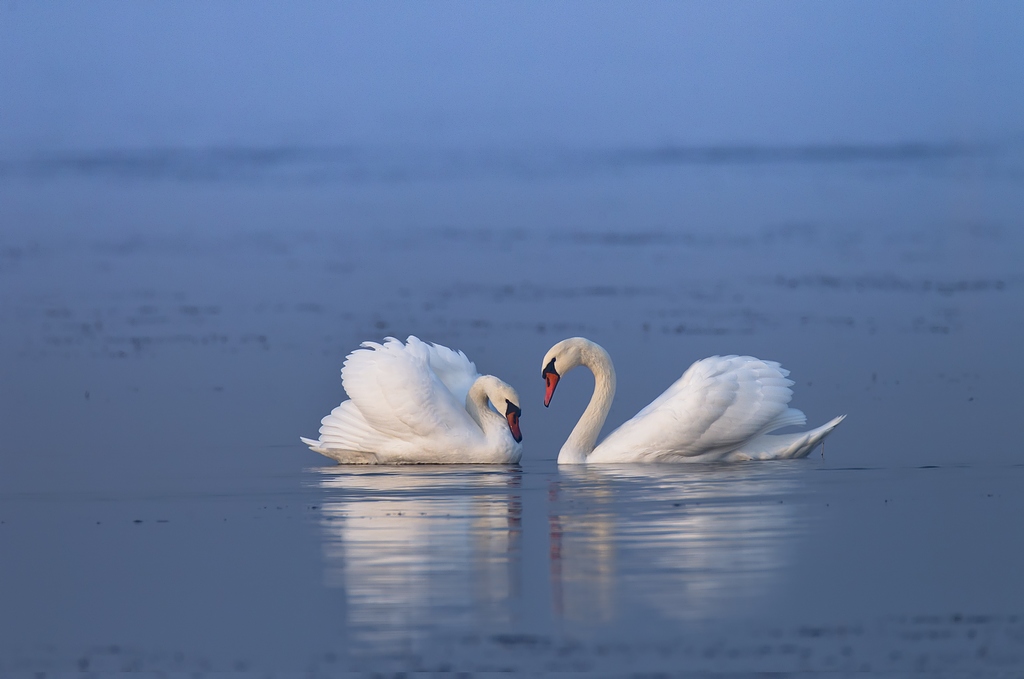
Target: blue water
(202,212)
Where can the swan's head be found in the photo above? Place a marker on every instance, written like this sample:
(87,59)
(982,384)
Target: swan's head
(508,402)
(504,399)
(559,360)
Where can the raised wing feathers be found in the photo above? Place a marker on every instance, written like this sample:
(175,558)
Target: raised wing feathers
(718,404)
(345,428)
(398,393)
(452,367)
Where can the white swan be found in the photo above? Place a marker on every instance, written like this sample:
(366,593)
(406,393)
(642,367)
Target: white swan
(417,403)
(722,408)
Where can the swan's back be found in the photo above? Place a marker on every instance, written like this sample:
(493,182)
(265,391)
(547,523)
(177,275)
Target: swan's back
(718,405)
(398,393)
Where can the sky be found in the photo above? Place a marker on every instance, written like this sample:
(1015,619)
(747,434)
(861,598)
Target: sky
(101,75)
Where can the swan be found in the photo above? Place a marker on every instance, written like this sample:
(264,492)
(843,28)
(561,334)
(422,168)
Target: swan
(419,403)
(721,409)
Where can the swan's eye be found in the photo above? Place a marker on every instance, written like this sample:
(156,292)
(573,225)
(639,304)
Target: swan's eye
(549,369)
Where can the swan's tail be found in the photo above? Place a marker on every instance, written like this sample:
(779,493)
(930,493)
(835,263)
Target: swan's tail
(345,434)
(786,446)
(313,444)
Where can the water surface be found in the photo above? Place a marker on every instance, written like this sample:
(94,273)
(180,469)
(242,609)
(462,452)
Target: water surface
(166,339)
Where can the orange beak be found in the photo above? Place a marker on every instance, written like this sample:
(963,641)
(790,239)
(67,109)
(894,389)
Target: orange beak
(551,381)
(513,425)
(512,415)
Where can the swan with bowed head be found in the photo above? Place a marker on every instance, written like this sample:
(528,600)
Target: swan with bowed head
(419,403)
(723,408)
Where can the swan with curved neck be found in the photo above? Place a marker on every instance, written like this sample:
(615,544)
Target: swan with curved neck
(419,403)
(723,408)
(487,391)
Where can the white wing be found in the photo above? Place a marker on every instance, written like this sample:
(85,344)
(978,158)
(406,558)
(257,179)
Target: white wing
(454,370)
(399,395)
(718,404)
(346,429)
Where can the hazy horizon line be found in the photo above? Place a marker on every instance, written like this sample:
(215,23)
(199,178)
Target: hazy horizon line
(355,162)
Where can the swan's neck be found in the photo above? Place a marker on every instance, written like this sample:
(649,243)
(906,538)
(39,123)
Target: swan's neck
(477,405)
(584,435)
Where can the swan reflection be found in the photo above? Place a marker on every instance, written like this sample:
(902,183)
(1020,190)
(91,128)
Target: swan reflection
(412,546)
(687,543)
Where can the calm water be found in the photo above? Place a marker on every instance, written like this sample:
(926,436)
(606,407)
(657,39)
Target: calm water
(166,339)
(204,208)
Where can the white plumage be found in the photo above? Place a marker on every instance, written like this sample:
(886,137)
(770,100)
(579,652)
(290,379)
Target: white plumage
(722,408)
(419,403)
